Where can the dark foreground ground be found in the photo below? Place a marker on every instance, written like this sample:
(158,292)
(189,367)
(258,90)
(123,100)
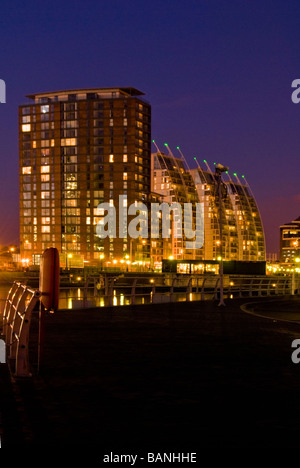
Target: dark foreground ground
(185,376)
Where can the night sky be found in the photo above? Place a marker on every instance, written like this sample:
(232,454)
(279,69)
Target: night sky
(218,75)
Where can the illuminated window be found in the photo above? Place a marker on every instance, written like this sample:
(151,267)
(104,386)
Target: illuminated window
(46,220)
(125,159)
(45,177)
(111,158)
(124,175)
(45,228)
(45,169)
(99,211)
(44,143)
(26,128)
(26,170)
(45,109)
(52,142)
(68,141)
(45,195)
(111,202)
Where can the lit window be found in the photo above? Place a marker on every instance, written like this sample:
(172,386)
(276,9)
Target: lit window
(111,158)
(111,202)
(45,109)
(46,220)
(45,177)
(125,159)
(68,141)
(26,170)
(45,169)
(124,175)
(99,211)
(26,128)
(45,228)
(52,142)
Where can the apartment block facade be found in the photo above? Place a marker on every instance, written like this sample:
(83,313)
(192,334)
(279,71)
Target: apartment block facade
(78,149)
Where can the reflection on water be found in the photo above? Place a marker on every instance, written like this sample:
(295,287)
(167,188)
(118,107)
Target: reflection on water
(74,298)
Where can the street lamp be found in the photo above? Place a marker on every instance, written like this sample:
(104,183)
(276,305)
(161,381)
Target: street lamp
(68,262)
(101,261)
(219,169)
(130,249)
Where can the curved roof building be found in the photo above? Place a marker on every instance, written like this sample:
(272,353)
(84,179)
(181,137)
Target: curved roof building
(243,234)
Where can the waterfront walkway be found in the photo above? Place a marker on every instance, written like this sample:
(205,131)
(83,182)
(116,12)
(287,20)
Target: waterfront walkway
(180,376)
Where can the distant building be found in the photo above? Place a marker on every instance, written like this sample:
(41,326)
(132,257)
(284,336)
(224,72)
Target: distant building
(290,241)
(78,149)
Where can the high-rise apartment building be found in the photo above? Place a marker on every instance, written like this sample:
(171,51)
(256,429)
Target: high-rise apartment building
(78,149)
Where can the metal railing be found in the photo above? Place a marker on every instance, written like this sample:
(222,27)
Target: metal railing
(19,305)
(106,290)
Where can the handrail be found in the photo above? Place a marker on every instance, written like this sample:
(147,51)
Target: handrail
(20,303)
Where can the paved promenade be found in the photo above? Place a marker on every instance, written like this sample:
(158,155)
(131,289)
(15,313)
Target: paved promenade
(184,376)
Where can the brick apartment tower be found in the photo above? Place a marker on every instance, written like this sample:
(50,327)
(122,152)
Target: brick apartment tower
(80,148)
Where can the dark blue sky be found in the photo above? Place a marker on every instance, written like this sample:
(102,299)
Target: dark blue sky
(218,75)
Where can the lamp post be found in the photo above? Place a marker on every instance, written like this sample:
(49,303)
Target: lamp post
(130,250)
(68,260)
(219,169)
